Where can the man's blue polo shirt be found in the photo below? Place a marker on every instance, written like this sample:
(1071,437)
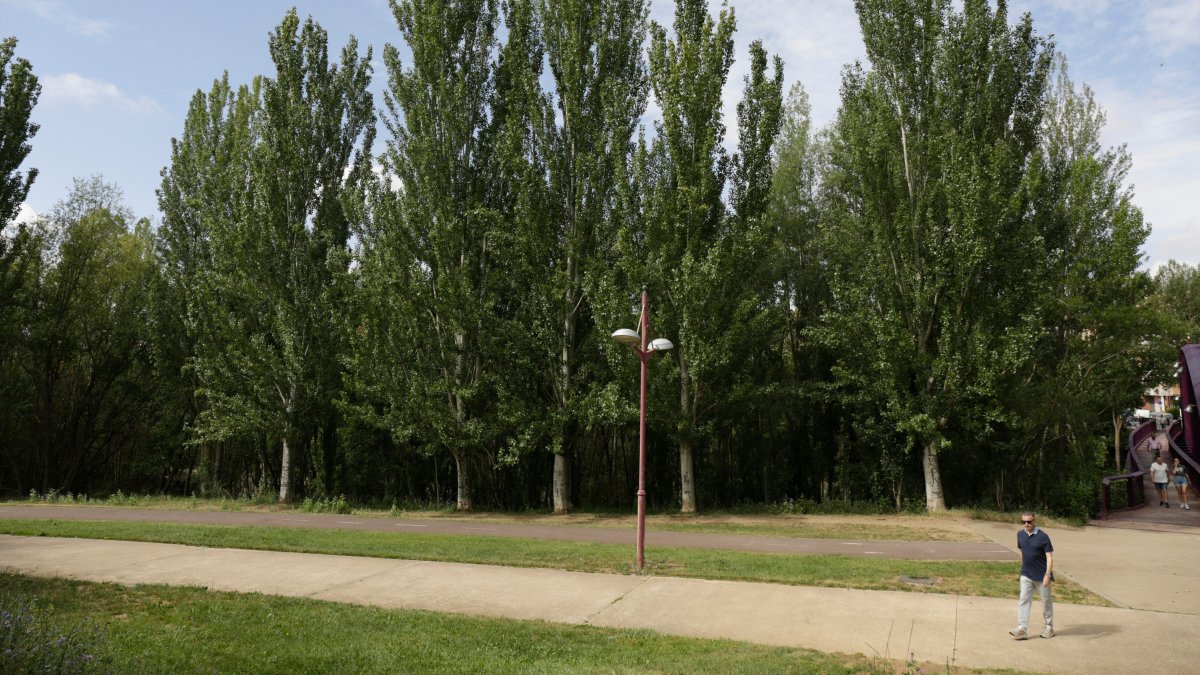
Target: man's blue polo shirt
(1034,548)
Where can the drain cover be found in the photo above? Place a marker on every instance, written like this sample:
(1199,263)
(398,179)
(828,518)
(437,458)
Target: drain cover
(919,581)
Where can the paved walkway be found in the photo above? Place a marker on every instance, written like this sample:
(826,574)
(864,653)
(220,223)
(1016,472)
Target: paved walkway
(911,550)
(1151,515)
(1158,608)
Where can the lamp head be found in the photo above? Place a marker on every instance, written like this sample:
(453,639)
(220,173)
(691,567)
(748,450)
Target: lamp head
(661,345)
(626,336)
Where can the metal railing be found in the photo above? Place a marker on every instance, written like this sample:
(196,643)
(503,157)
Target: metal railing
(1135,491)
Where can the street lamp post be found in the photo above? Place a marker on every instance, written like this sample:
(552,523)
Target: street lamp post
(645,348)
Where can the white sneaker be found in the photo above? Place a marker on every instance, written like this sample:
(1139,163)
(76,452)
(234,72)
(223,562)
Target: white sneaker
(1018,633)
(1048,632)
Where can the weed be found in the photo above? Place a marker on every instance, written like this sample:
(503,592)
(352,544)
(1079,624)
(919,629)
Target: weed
(336,504)
(30,641)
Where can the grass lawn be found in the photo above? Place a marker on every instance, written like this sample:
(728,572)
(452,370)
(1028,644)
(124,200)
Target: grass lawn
(990,579)
(160,629)
(946,526)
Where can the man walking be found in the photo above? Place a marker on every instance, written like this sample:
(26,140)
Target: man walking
(1158,474)
(1037,569)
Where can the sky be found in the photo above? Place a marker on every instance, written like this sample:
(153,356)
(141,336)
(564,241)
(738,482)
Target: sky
(117,77)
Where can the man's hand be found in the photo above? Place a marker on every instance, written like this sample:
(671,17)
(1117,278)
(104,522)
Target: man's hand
(1046,579)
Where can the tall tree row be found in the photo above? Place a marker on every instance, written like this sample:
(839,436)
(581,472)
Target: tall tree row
(938,300)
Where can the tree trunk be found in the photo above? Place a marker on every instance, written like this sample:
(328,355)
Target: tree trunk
(935,499)
(687,478)
(464,486)
(687,475)
(1116,420)
(285,473)
(562,484)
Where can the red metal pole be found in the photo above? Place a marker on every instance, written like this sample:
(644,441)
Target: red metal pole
(641,493)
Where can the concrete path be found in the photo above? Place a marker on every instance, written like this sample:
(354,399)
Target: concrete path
(1148,570)
(911,550)
(958,630)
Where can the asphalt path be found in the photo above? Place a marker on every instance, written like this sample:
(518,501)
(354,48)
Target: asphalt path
(906,550)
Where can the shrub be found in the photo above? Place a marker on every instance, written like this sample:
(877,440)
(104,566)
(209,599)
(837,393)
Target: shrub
(322,505)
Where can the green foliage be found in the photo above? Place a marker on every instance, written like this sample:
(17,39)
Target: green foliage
(433,319)
(19,91)
(937,299)
(1177,298)
(929,232)
(265,335)
(336,504)
(697,254)
(78,378)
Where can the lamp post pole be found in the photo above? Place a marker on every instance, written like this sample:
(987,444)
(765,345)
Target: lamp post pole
(645,348)
(644,356)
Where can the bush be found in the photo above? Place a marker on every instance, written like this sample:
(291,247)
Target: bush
(31,643)
(332,505)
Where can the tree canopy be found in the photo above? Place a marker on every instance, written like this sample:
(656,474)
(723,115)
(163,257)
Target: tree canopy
(937,300)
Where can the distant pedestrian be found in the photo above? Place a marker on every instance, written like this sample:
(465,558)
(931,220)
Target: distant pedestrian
(1180,478)
(1037,569)
(1158,474)
(1155,445)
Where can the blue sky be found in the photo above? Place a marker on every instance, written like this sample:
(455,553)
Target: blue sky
(117,77)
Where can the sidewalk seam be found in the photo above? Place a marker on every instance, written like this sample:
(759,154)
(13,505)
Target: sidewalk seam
(409,563)
(954,647)
(588,621)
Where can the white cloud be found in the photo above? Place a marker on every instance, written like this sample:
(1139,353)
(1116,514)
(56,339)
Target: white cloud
(25,215)
(54,12)
(73,89)
(1174,25)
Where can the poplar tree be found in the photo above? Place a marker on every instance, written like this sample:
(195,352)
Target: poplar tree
(203,189)
(1092,353)
(432,245)
(19,91)
(929,228)
(698,252)
(594,50)
(267,353)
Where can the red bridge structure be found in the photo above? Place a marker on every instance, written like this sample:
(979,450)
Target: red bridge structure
(1124,496)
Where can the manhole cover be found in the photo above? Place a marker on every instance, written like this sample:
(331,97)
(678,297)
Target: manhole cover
(919,581)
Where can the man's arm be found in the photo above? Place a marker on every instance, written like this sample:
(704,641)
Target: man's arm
(1049,568)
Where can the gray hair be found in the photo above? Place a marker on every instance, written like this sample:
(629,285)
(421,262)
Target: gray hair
(1028,513)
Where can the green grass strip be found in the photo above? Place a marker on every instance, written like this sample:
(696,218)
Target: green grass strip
(988,579)
(162,629)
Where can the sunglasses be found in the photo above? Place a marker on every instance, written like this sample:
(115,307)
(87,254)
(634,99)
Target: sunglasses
(1027,522)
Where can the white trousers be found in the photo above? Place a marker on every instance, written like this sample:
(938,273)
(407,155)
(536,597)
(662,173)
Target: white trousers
(1027,586)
